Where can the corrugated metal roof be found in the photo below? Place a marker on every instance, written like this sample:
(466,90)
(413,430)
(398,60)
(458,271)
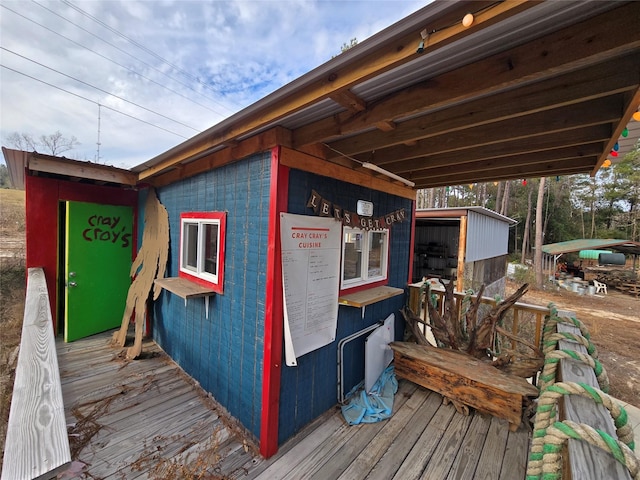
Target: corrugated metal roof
(16,161)
(624,246)
(544,95)
(449,212)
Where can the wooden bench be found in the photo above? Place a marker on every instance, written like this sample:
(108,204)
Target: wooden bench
(630,288)
(465,379)
(37,445)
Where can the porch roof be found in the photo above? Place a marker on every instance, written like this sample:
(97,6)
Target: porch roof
(530,89)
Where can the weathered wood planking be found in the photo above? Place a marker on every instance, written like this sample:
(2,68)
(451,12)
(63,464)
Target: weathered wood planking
(155,413)
(585,461)
(422,437)
(37,445)
(464,378)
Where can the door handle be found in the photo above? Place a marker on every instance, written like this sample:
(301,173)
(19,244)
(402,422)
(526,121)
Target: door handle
(73,284)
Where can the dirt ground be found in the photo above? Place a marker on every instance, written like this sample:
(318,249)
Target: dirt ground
(614,323)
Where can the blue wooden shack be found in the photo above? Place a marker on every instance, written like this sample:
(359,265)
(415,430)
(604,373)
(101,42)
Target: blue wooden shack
(235,348)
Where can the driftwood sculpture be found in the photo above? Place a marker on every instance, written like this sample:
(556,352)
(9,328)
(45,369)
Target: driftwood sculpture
(150,263)
(476,336)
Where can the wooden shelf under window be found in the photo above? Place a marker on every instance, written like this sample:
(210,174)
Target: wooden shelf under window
(367,297)
(184,288)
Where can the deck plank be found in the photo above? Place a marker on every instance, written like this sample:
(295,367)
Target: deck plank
(391,461)
(514,463)
(448,447)
(362,464)
(468,456)
(423,449)
(493,450)
(367,437)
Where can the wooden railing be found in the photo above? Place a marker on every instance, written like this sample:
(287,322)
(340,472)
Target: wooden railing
(523,320)
(37,445)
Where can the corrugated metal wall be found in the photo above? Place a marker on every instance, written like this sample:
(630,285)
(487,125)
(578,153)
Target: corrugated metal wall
(308,390)
(224,352)
(487,237)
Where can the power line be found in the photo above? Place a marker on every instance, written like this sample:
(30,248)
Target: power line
(137,44)
(93,101)
(99,89)
(119,64)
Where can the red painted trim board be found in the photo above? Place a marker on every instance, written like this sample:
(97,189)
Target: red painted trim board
(411,242)
(273,322)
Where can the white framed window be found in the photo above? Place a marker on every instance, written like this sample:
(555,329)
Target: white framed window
(202,248)
(365,255)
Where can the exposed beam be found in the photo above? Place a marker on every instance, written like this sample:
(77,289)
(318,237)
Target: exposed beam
(599,111)
(349,100)
(604,79)
(301,161)
(593,41)
(530,171)
(580,138)
(556,155)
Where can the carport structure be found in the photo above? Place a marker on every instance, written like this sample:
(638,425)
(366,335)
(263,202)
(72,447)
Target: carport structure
(553,251)
(530,89)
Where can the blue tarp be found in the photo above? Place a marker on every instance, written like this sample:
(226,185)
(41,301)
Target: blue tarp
(363,407)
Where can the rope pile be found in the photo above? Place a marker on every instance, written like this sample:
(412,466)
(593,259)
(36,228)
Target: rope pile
(549,435)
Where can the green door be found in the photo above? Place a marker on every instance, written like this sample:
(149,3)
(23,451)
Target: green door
(98,249)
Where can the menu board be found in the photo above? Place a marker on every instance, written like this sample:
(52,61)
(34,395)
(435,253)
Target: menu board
(311,280)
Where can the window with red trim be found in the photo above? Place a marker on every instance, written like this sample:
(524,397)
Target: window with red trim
(365,256)
(202,248)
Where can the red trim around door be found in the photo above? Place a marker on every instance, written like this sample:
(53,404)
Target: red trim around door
(273,322)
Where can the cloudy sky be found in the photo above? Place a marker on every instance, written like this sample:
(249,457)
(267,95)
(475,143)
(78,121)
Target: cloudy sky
(150,74)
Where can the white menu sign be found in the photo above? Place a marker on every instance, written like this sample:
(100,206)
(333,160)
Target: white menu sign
(311,279)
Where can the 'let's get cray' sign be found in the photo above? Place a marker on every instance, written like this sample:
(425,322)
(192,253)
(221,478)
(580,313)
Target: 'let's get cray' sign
(325,208)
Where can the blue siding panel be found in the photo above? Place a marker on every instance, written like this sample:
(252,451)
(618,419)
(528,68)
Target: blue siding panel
(225,351)
(310,389)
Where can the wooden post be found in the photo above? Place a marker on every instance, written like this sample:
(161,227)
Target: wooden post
(462,248)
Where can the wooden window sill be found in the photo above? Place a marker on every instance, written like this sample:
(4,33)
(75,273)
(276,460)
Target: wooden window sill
(186,289)
(366,297)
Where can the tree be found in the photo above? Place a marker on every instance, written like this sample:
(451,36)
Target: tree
(52,144)
(4,177)
(537,258)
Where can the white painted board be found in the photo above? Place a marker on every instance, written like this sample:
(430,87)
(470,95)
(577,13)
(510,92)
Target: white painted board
(377,353)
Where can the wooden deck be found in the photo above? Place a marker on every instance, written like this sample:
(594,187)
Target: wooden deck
(423,439)
(147,419)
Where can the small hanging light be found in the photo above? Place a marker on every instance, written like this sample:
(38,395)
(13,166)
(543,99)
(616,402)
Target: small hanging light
(613,153)
(557,178)
(616,147)
(524,182)
(625,132)
(636,116)
(495,184)
(467,20)
(471,186)
(606,163)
